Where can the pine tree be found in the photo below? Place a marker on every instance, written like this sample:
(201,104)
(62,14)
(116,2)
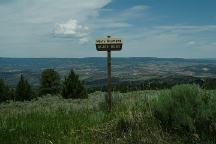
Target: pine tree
(23,90)
(73,87)
(50,82)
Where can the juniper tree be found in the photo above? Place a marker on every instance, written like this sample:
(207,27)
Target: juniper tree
(50,82)
(23,90)
(73,87)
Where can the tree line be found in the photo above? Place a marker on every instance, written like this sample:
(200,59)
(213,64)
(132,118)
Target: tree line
(73,87)
(50,83)
(157,84)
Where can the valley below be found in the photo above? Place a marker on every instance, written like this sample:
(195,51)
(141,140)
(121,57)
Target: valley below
(93,70)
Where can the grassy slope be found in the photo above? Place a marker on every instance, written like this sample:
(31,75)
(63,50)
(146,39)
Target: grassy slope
(52,119)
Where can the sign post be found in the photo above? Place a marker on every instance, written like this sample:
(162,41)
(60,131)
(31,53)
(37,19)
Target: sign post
(109,80)
(109,44)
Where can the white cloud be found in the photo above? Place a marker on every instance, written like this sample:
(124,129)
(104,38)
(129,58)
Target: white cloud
(49,12)
(84,40)
(52,10)
(116,19)
(138,8)
(109,24)
(186,28)
(191,43)
(169,41)
(72,29)
(36,21)
(29,25)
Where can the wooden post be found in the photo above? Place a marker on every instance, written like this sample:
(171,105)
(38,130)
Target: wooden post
(109,44)
(109,81)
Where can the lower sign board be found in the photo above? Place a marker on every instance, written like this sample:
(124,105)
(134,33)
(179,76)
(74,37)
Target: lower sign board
(109,44)
(111,47)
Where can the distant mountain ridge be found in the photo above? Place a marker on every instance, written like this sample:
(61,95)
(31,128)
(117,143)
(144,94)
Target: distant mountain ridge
(93,69)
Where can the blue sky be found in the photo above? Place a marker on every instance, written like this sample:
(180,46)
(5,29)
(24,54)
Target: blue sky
(68,28)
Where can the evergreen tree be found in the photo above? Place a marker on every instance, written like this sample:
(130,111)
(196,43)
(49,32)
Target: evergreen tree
(50,82)
(73,87)
(23,90)
(11,93)
(4,91)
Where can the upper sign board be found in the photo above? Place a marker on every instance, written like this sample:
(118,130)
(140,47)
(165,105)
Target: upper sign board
(109,44)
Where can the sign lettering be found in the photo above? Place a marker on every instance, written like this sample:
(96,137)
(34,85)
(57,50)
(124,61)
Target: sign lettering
(109,44)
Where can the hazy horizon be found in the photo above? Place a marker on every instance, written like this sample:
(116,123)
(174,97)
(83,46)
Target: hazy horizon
(102,57)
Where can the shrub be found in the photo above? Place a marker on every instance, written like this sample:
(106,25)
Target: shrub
(134,124)
(23,90)
(178,108)
(187,109)
(50,82)
(206,123)
(73,87)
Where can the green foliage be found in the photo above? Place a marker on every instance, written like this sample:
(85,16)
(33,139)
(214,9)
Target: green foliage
(4,92)
(50,82)
(178,107)
(73,87)
(53,119)
(23,90)
(206,120)
(209,83)
(188,110)
(132,122)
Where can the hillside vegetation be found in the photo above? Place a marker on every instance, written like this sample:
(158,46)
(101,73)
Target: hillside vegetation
(183,114)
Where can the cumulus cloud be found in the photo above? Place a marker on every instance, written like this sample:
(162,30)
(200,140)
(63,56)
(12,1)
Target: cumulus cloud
(52,10)
(72,29)
(29,25)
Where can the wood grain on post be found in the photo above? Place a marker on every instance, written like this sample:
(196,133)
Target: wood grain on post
(109,81)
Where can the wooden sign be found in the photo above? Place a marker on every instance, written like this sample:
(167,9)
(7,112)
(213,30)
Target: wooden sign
(109,44)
